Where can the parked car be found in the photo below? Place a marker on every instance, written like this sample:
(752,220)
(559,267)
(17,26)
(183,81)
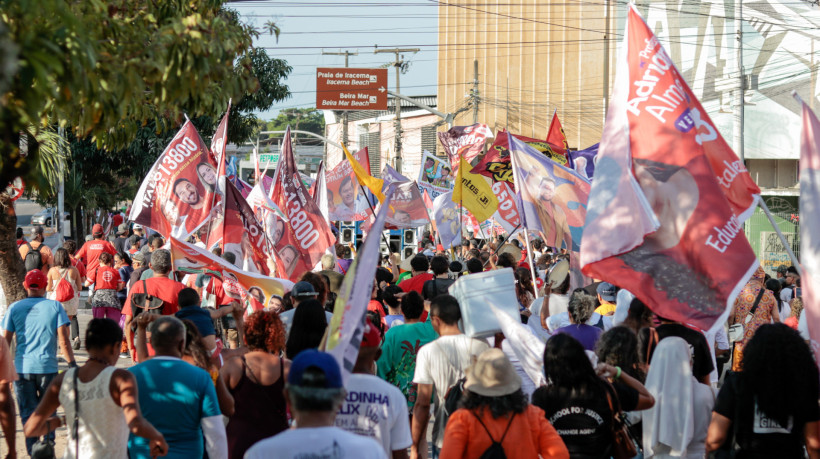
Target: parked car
(46,217)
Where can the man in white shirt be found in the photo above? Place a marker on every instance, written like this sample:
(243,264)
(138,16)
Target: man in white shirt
(373,407)
(439,365)
(314,393)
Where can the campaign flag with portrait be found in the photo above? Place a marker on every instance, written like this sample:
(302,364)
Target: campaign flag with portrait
(809,220)
(177,194)
(464,142)
(435,175)
(238,284)
(407,209)
(496,163)
(669,196)
(446,215)
(553,198)
(346,328)
(244,235)
(306,236)
(345,198)
(584,161)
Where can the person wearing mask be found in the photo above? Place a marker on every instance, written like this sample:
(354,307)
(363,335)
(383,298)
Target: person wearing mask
(309,323)
(256,380)
(419,266)
(493,409)
(314,393)
(90,252)
(37,245)
(753,307)
(770,423)
(373,407)
(439,365)
(577,401)
(178,398)
(676,425)
(440,282)
(39,325)
(159,286)
(62,269)
(108,408)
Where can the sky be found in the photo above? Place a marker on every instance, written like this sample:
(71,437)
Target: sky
(310,27)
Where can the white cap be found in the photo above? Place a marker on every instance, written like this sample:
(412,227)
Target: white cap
(137,226)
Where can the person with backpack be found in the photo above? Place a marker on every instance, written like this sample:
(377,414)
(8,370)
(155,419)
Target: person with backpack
(64,285)
(441,365)
(90,252)
(35,254)
(495,420)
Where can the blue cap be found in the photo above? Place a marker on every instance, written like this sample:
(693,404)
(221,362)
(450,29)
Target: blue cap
(321,360)
(607,291)
(303,289)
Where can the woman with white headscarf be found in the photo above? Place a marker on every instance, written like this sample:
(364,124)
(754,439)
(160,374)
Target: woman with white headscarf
(676,426)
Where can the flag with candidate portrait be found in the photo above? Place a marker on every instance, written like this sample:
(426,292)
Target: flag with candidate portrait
(346,199)
(177,194)
(669,196)
(435,175)
(446,215)
(244,235)
(553,198)
(305,235)
(464,142)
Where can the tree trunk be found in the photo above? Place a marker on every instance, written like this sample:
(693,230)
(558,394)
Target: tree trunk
(12,270)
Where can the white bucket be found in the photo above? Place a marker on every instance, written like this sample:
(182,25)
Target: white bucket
(475,292)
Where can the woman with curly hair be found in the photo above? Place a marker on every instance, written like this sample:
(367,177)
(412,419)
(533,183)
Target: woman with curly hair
(256,381)
(769,422)
(577,397)
(494,413)
(618,347)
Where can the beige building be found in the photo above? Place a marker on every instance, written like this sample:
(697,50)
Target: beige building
(533,57)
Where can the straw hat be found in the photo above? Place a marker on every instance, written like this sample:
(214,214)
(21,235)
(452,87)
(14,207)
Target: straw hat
(492,375)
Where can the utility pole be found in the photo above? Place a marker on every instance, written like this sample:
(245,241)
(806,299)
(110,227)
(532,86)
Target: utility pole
(347,55)
(397,64)
(741,82)
(474,94)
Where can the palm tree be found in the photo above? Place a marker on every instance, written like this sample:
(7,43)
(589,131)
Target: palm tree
(48,149)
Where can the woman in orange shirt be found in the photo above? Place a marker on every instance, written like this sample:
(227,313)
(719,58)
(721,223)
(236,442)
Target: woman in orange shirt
(495,413)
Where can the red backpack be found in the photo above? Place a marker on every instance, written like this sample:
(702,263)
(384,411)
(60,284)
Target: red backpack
(64,291)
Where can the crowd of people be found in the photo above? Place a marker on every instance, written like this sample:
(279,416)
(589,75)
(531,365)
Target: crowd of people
(210,379)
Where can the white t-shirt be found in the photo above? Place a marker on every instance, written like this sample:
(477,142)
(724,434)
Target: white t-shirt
(316,443)
(442,363)
(558,303)
(535,320)
(376,409)
(287,319)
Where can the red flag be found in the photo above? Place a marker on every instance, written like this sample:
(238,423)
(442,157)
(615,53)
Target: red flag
(306,235)
(218,143)
(464,141)
(555,134)
(176,196)
(666,208)
(496,163)
(428,203)
(244,236)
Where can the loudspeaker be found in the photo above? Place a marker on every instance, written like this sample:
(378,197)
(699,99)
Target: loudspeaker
(408,237)
(347,233)
(408,252)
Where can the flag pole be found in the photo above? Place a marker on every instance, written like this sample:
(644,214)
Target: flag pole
(780,235)
(386,242)
(218,168)
(529,259)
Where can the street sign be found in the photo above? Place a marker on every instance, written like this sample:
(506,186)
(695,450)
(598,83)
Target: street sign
(269,158)
(351,89)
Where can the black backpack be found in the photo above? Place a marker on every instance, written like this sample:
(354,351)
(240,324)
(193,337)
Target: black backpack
(34,259)
(495,451)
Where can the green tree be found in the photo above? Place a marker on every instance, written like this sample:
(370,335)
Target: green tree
(104,70)
(304,119)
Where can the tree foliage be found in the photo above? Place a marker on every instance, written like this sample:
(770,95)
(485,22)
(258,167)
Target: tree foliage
(304,119)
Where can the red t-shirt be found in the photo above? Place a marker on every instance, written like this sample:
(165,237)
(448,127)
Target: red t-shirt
(162,287)
(106,278)
(116,221)
(90,253)
(375,306)
(214,287)
(416,282)
(79,265)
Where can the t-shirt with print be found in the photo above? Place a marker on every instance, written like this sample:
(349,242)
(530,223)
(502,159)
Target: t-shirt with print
(90,253)
(375,408)
(316,443)
(397,363)
(442,363)
(583,420)
(415,283)
(163,288)
(35,321)
(393,320)
(175,397)
(758,435)
(106,278)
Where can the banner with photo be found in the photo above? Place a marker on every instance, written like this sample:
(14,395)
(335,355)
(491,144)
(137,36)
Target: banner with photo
(496,163)
(436,176)
(446,215)
(242,285)
(464,142)
(177,194)
(244,235)
(345,199)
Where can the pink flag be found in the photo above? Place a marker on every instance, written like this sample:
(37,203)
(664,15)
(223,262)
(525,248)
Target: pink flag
(809,222)
(464,141)
(669,196)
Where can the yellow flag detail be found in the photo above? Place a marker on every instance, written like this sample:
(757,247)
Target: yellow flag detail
(372,183)
(475,194)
